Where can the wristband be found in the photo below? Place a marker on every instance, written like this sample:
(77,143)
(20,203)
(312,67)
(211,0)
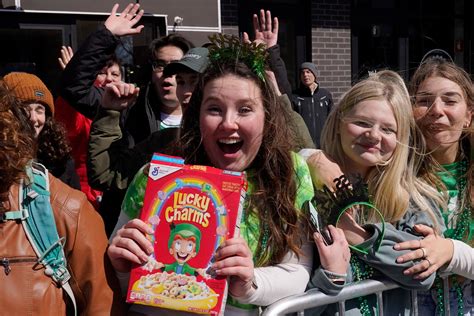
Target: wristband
(334,275)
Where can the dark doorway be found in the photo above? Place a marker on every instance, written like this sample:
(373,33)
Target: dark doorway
(396,34)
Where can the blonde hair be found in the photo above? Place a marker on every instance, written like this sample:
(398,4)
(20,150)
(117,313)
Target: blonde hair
(393,183)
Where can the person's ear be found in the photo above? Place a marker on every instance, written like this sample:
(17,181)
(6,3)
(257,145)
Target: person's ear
(468,119)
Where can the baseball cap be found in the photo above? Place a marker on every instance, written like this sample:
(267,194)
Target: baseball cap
(196,59)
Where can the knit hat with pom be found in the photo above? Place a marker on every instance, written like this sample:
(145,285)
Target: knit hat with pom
(28,87)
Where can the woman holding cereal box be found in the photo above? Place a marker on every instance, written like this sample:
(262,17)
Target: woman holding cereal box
(235,123)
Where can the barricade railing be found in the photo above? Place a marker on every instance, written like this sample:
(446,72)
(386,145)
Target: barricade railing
(315,298)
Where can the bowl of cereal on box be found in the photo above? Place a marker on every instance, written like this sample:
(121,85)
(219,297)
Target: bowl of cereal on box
(176,291)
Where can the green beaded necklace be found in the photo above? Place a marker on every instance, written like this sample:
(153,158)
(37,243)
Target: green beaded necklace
(458,233)
(362,271)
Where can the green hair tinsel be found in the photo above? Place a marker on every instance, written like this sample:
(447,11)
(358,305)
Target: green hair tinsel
(229,48)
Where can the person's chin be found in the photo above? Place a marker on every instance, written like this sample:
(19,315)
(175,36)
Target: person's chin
(170,102)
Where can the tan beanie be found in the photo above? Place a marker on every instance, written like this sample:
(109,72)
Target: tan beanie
(28,87)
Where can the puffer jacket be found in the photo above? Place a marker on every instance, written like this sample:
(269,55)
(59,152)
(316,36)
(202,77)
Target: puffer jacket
(26,290)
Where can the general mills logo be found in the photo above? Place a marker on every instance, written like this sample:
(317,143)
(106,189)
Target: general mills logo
(155,171)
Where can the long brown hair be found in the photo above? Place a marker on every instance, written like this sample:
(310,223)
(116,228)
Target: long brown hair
(272,171)
(17,144)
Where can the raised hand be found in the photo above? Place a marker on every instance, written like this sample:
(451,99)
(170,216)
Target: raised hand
(123,24)
(119,95)
(65,57)
(130,245)
(265,31)
(271,76)
(234,259)
(434,251)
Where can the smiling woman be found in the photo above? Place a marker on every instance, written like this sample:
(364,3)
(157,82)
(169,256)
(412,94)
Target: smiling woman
(54,151)
(234,122)
(444,100)
(372,134)
(232,119)
(368,135)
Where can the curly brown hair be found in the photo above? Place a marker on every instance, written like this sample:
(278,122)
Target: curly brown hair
(53,145)
(272,171)
(17,145)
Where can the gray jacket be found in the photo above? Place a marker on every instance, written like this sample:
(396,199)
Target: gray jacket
(384,263)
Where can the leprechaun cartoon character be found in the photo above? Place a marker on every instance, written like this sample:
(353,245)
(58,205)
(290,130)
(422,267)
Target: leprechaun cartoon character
(183,245)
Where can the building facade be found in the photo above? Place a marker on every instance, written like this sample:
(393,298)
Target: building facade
(345,38)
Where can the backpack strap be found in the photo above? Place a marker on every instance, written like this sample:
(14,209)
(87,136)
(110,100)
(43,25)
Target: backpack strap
(40,228)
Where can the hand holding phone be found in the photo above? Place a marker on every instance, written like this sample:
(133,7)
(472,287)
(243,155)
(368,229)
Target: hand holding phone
(317,223)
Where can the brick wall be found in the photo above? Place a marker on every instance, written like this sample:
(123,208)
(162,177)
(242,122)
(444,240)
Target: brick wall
(229,17)
(331,44)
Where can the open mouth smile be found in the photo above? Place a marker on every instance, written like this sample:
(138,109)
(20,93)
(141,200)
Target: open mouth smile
(230,145)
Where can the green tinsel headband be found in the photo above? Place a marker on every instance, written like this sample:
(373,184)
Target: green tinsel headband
(229,48)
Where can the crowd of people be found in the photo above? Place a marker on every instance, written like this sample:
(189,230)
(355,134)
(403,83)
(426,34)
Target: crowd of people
(388,168)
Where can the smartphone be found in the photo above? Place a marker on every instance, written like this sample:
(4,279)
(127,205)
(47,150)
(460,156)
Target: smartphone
(318,225)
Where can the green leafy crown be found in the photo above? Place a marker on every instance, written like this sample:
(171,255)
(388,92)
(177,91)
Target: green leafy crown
(229,48)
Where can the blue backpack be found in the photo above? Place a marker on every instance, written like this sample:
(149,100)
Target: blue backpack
(37,219)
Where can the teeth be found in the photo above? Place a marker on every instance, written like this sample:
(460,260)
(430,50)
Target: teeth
(229,141)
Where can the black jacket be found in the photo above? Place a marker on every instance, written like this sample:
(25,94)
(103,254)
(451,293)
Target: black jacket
(77,80)
(136,124)
(77,88)
(296,122)
(314,108)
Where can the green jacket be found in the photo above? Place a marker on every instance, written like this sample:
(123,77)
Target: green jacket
(110,163)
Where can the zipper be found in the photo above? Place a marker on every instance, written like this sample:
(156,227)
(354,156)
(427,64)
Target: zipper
(6,262)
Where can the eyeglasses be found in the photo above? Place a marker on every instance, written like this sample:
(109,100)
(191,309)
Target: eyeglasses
(158,65)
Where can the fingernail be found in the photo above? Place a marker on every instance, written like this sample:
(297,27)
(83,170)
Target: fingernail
(144,259)
(396,246)
(399,260)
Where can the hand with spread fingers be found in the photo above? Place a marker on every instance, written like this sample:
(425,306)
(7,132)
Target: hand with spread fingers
(334,257)
(266,29)
(432,252)
(234,259)
(66,55)
(130,245)
(123,24)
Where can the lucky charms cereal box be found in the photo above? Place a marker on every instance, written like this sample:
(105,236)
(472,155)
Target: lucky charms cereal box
(192,210)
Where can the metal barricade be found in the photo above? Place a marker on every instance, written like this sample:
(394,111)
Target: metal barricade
(314,298)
